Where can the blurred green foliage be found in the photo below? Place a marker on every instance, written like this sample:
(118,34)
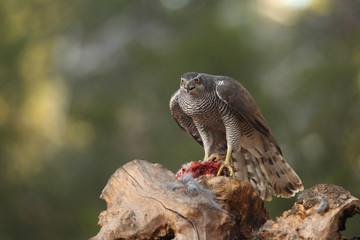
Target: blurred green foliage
(84,88)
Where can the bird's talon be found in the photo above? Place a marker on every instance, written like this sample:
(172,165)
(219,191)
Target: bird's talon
(228,170)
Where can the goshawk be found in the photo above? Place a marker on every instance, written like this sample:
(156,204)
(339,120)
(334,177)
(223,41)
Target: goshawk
(222,116)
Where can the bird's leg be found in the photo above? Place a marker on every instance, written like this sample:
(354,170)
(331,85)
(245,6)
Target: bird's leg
(227,163)
(207,150)
(206,138)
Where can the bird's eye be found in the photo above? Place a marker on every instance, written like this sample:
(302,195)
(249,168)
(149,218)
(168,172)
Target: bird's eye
(197,80)
(182,81)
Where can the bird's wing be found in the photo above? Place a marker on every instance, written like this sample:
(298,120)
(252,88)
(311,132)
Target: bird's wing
(270,171)
(237,97)
(183,120)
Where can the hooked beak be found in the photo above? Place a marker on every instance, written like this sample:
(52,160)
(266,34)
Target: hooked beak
(189,86)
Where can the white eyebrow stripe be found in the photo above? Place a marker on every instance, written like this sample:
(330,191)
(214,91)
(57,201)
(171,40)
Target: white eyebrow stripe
(199,75)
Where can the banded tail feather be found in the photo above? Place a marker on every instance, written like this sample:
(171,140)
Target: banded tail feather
(268,173)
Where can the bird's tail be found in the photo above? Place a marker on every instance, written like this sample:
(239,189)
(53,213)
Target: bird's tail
(267,173)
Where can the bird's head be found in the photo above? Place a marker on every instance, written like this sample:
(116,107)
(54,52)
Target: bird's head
(193,83)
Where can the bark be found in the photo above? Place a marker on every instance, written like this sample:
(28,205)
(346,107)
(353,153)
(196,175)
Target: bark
(319,213)
(146,201)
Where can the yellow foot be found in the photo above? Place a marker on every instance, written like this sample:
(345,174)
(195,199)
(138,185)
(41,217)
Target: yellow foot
(227,165)
(229,171)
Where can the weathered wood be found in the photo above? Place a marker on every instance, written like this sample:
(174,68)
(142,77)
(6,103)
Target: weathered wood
(239,199)
(319,213)
(146,201)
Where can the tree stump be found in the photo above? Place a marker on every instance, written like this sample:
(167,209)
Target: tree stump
(319,213)
(146,201)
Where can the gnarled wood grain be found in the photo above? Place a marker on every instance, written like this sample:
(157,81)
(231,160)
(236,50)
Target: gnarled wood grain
(319,213)
(146,201)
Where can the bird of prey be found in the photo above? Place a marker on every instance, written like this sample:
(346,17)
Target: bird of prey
(222,116)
